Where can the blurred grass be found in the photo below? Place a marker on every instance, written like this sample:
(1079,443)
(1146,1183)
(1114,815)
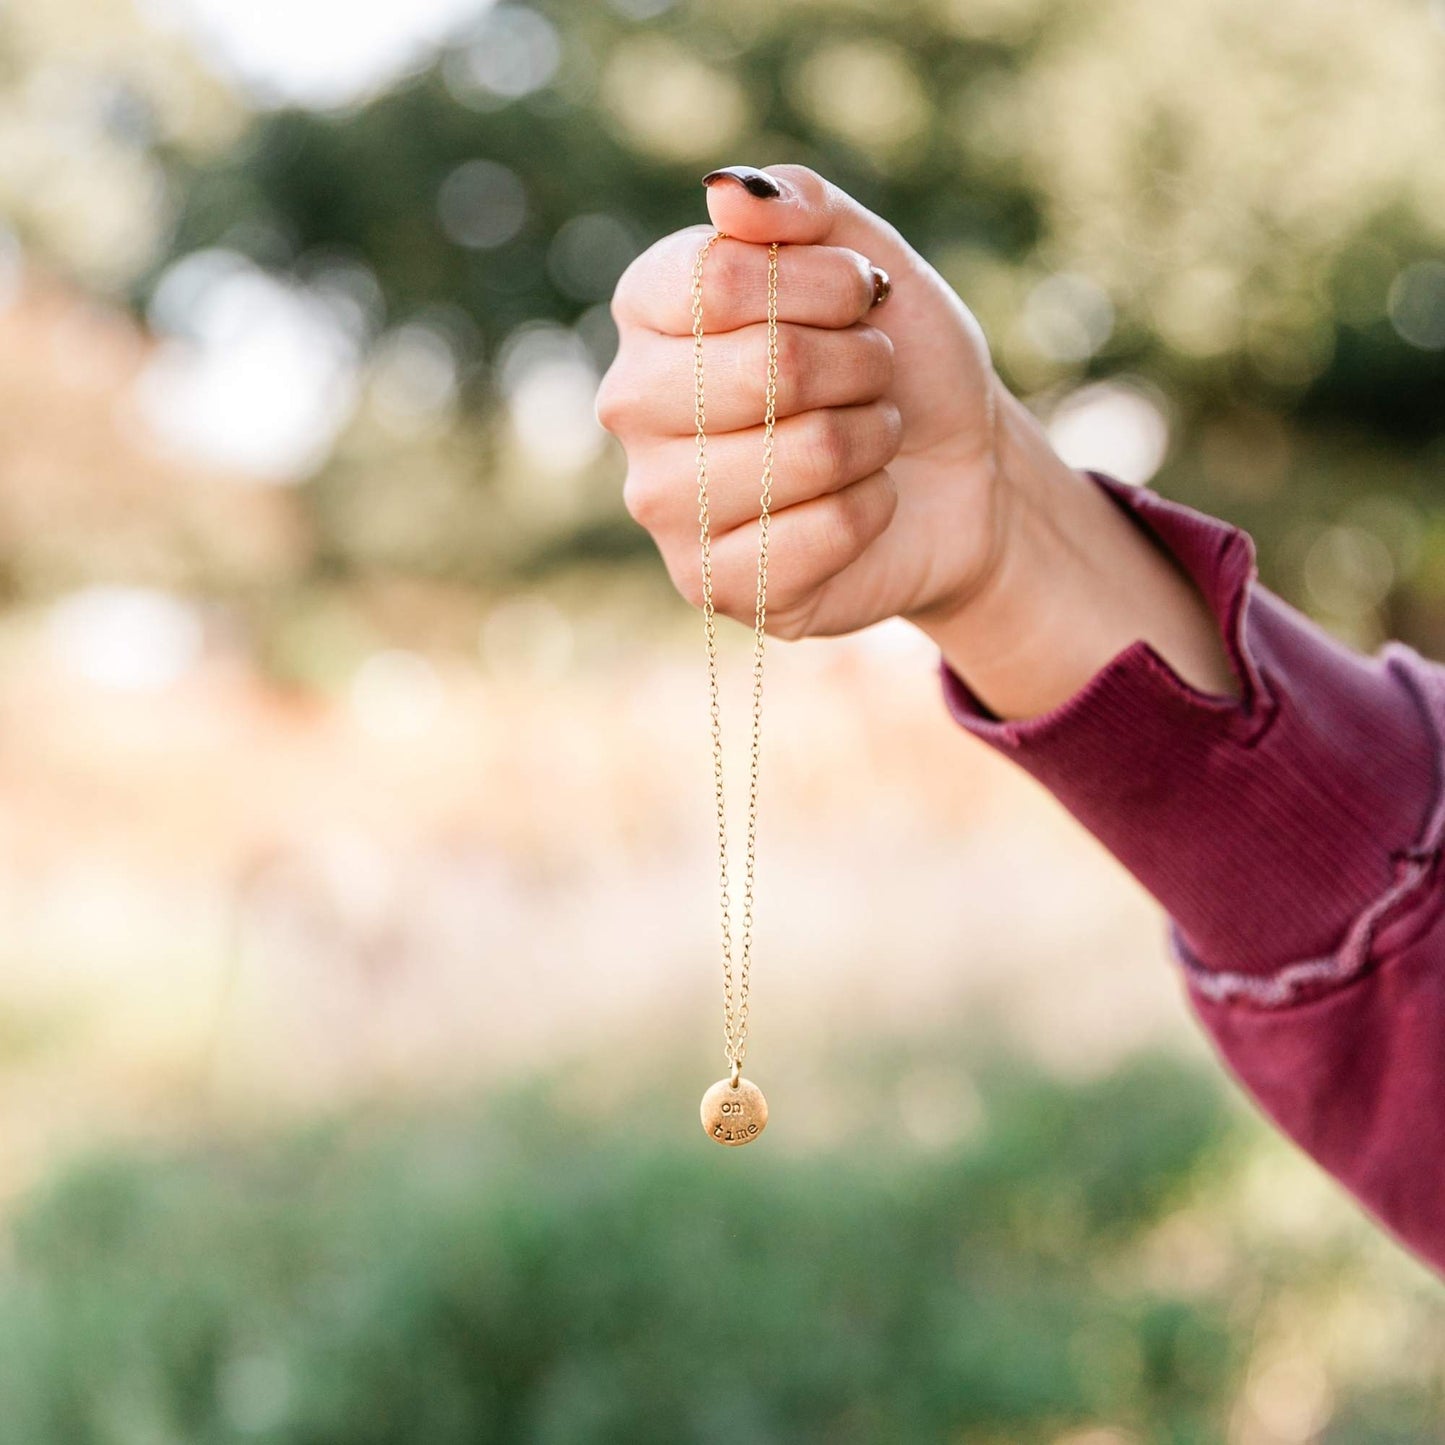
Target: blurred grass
(540,1269)
(536,1273)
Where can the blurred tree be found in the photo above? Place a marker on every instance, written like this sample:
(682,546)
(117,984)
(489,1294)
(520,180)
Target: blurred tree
(1239,212)
(91,96)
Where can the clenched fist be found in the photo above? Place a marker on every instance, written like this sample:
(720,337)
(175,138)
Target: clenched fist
(907,480)
(885,476)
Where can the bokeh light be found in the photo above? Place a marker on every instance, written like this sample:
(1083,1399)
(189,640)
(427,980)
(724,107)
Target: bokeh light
(550,384)
(589,253)
(1113,427)
(510,53)
(868,94)
(125,637)
(259,375)
(670,103)
(412,378)
(328,53)
(1068,318)
(1417,305)
(482,205)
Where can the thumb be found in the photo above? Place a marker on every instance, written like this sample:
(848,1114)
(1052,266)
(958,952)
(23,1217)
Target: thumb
(796,206)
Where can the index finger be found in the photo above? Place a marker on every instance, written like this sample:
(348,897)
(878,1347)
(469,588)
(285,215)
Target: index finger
(826,286)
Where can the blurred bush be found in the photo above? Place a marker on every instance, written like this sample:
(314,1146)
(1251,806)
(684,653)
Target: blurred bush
(549,1273)
(541,1277)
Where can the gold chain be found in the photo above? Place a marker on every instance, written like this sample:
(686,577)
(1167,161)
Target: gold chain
(735,1005)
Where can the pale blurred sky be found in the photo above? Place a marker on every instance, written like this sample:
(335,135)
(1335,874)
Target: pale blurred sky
(323,53)
(261,376)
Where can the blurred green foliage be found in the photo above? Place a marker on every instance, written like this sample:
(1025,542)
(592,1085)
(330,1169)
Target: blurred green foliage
(545,1273)
(546,1278)
(1242,188)
(1238,209)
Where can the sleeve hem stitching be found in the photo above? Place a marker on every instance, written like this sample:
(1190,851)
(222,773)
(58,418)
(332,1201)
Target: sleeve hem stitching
(1307,979)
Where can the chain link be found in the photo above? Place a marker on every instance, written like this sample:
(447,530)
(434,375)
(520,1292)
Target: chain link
(735,1002)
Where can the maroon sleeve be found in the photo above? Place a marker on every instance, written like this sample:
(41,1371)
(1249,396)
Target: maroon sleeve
(1293,838)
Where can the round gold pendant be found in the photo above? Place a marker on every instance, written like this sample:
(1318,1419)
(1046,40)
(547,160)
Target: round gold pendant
(734,1113)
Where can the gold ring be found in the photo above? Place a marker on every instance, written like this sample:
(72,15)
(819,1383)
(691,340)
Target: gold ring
(882,286)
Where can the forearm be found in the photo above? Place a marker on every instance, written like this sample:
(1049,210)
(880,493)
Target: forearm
(1293,835)
(1074,584)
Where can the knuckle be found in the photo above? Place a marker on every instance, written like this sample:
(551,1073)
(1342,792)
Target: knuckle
(688,581)
(859,362)
(861,512)
(791,364)
(639,282)
(790,347)
(882,504)
(845,532)
(877,362)
(828,447)
(890,427)
(691,588)
(856,281)
(734,592)
(620,303)
(792,609)
(728,272)
(790,624)
(643,499)
(633,284)
(615,399)
(880,343)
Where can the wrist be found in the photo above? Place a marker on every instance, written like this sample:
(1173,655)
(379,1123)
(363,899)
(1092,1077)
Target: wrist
(1004,636)
(1074,582)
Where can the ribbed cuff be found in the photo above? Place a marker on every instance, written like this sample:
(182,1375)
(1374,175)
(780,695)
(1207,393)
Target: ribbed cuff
(1270,826)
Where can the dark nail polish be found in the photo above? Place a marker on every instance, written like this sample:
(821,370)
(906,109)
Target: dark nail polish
(757,183)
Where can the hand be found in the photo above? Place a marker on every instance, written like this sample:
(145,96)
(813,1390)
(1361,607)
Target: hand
(907,480)
(885,496)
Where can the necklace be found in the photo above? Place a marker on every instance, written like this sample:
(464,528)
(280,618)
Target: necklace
(734,1110)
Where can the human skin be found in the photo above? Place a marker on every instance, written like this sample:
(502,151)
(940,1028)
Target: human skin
(908,482)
